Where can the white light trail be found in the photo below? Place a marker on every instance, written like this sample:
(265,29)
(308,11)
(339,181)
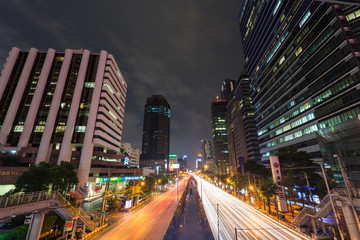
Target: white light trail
(234,213)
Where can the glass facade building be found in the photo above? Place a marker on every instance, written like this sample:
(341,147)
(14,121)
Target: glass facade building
(302,59)
(219,138)
(241,126)
(62,106)
(156,134)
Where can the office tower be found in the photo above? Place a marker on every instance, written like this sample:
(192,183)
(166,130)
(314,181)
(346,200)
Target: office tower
(302,59)
(219,139)
(156,134)
(242,139)
(133,153)
(61,106)
(207,154)
(183,163)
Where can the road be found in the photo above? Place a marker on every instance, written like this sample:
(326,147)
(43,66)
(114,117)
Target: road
(149,222)
(249,222)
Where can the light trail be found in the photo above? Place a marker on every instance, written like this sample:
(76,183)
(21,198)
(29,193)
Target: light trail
(234,213)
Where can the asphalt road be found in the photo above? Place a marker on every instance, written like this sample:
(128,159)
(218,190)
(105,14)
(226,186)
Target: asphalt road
(149,222)
(236,216)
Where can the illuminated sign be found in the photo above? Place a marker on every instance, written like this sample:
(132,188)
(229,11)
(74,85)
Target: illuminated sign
(126,161)
(100,180)
(128,204)
(68,225)
(175,166)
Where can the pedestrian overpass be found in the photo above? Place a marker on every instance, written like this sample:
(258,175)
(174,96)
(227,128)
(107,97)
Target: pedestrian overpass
(37,204)
(324,209)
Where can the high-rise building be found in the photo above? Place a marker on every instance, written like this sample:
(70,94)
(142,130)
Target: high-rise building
(62,106)
(207,155)
(219,138)
(156,134)
(302,59)
(133,153)
(242,138)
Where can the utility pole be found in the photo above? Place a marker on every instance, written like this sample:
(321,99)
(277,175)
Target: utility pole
(103,206)
(236,234)
(218,218)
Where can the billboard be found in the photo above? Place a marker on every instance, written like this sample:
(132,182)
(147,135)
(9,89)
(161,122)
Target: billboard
(175,166)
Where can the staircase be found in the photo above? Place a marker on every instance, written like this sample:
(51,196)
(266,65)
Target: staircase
(324,208)
(19,204)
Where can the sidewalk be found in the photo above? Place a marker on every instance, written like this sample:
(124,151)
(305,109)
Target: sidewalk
(190,229)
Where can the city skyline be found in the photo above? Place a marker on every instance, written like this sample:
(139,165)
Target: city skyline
(196,48)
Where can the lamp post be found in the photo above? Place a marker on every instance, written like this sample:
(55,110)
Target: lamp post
(331,202)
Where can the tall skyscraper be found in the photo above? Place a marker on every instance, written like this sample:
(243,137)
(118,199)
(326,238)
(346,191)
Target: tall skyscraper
(156,134)
(303,64)
(61,106)
(243,144)
(219,139)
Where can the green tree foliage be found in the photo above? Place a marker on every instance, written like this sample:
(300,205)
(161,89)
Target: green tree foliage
(46,175)
(149,185)
(17,233)
(49,222)
(255,168)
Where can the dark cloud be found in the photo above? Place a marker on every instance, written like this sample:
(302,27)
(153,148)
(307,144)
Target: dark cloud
(180,49)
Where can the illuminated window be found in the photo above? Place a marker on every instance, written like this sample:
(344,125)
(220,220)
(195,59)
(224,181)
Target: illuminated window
(18,128)
(80,129)
(89,84)
(60,129)
(39,129)
(298,51)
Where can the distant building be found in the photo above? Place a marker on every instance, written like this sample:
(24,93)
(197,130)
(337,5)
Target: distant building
(134,154)
(219,138)
(207,155)
(173,160)
(242,139)
(156,134)
(62,106)
(183,163)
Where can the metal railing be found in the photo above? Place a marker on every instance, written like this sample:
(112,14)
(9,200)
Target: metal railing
(26,198)
(23,198)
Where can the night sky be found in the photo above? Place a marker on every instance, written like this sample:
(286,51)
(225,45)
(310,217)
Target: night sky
(181,49)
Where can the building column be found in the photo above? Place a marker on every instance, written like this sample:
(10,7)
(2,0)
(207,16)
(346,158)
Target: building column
(74,228)
(66,146)
(44,148)
(36,100)
(18,94)
(88,146)
(8,68)
(36,226)
(351,221)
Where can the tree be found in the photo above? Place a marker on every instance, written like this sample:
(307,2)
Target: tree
(45,175)
(64,175)
(294,165)
(148,186)
(251,166)
(268,189)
